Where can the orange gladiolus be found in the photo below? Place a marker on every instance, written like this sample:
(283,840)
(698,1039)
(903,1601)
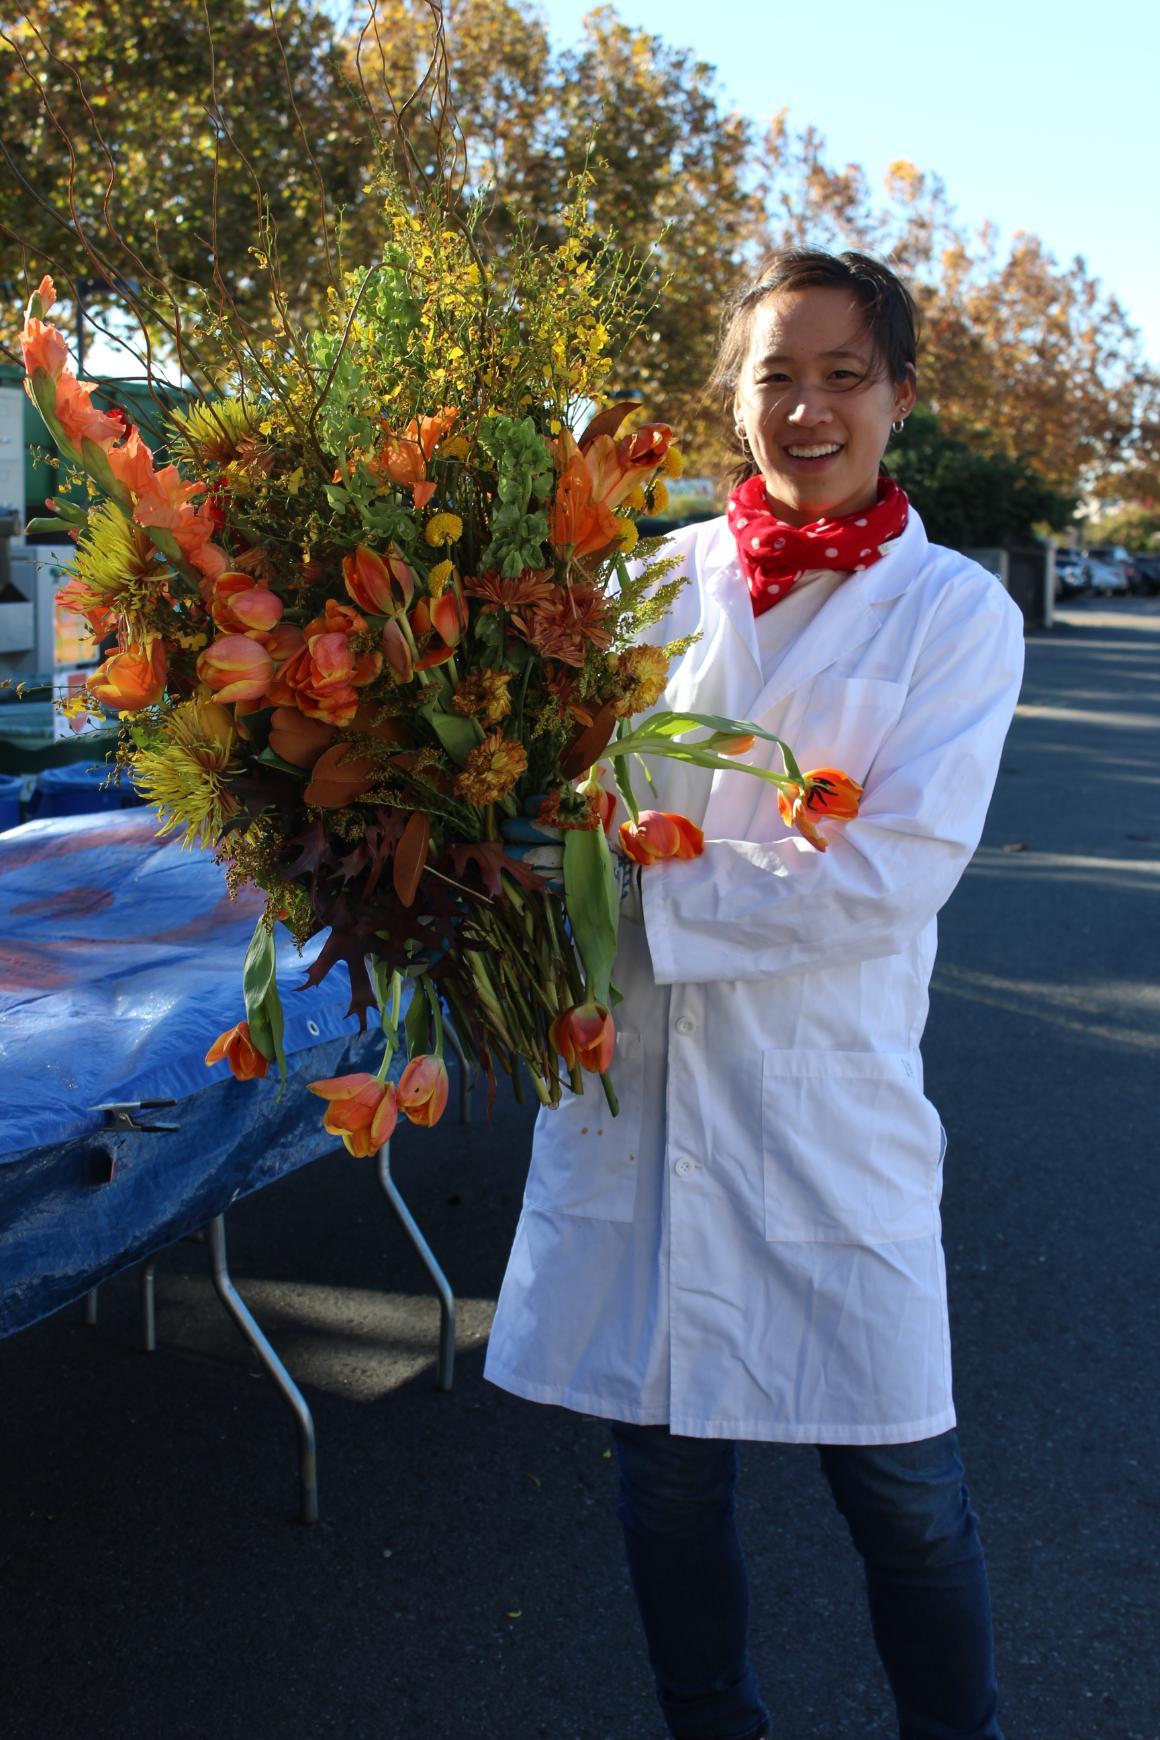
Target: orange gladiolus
(830,796)
(578,520)
(403,457)
(132,464)
(380,585)
(240,607)
(616,467)
(585,1035)
(362,1111)
(423,1088)
(132,678)
(658,835)
(236,668)
(240,1052)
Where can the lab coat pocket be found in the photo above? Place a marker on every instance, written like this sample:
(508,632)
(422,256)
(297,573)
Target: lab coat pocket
(844,721)
(584,1161)
(850,1147)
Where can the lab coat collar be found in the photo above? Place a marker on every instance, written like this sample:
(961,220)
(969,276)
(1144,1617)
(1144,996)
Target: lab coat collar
(849,617)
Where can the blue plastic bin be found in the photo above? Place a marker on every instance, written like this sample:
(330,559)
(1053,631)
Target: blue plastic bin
(76,791)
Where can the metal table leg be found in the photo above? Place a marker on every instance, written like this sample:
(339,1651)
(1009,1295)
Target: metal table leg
(91,1299)
(148,1311)
(442,1285)
(247,1323)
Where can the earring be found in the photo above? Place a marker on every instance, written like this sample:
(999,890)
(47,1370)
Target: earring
(898,425)
(739,431)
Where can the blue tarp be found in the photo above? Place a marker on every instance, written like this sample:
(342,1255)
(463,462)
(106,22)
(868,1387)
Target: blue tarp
(120,963)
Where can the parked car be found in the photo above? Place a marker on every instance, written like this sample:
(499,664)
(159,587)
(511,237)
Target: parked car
(1107,577)
(1148,574)
(1116,556)
(1071,574)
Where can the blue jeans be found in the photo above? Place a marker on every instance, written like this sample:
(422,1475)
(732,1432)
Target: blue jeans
(910,1517)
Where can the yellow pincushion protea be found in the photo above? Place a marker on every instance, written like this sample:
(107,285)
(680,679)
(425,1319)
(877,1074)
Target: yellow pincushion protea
(184,774)
(443,529)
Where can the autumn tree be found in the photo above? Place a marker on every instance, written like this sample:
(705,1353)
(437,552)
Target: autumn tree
(143,145)
(970,496)
(671,166)
(1020,355)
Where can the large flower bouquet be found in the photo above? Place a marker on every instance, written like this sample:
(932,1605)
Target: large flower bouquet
(375,603)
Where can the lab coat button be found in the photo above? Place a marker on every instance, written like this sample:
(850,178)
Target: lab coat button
(686,1024)
(684,1167)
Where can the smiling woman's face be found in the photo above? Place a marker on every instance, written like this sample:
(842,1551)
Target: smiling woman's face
(816,405)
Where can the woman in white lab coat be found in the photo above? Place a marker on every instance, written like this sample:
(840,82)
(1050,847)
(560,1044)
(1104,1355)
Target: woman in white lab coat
(751,1250)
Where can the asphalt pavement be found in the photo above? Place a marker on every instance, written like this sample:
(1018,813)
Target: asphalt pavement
(465,1580)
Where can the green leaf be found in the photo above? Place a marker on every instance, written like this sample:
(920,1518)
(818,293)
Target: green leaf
(416,1024)
(624,783)
(593,901)
(458,735)
(38,527)
(258,971)
(269,759)
(381,977)
(263,1004)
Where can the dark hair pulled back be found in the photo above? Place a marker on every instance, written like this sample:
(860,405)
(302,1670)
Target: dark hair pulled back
(893,321)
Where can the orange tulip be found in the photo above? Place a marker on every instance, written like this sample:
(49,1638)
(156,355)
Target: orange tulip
(132,678)
(605,806)
(362,1111)
(829,796)
(660,834)
(382,586)
(239,606)
(236,668)
(281,642)
(585,1035)
(239,1051)
(423,1088)
(323,677)
(732,745)
(397,651)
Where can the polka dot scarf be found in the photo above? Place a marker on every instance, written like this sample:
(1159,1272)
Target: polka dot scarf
(774,556)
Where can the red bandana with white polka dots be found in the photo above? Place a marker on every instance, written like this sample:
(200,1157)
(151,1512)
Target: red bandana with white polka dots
(774,556)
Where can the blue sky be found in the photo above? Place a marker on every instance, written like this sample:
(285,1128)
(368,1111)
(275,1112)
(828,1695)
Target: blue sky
(1042,117)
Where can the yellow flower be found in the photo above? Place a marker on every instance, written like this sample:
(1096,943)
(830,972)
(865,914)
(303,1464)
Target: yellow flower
(185,775)
(643,671)
(456,448)
(439,576)
(491,770)
(443,529)
(484,695)
(635,497)
(628,538)
(660,496)
(674,463)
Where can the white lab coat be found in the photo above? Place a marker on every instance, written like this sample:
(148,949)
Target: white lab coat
(751,1249)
